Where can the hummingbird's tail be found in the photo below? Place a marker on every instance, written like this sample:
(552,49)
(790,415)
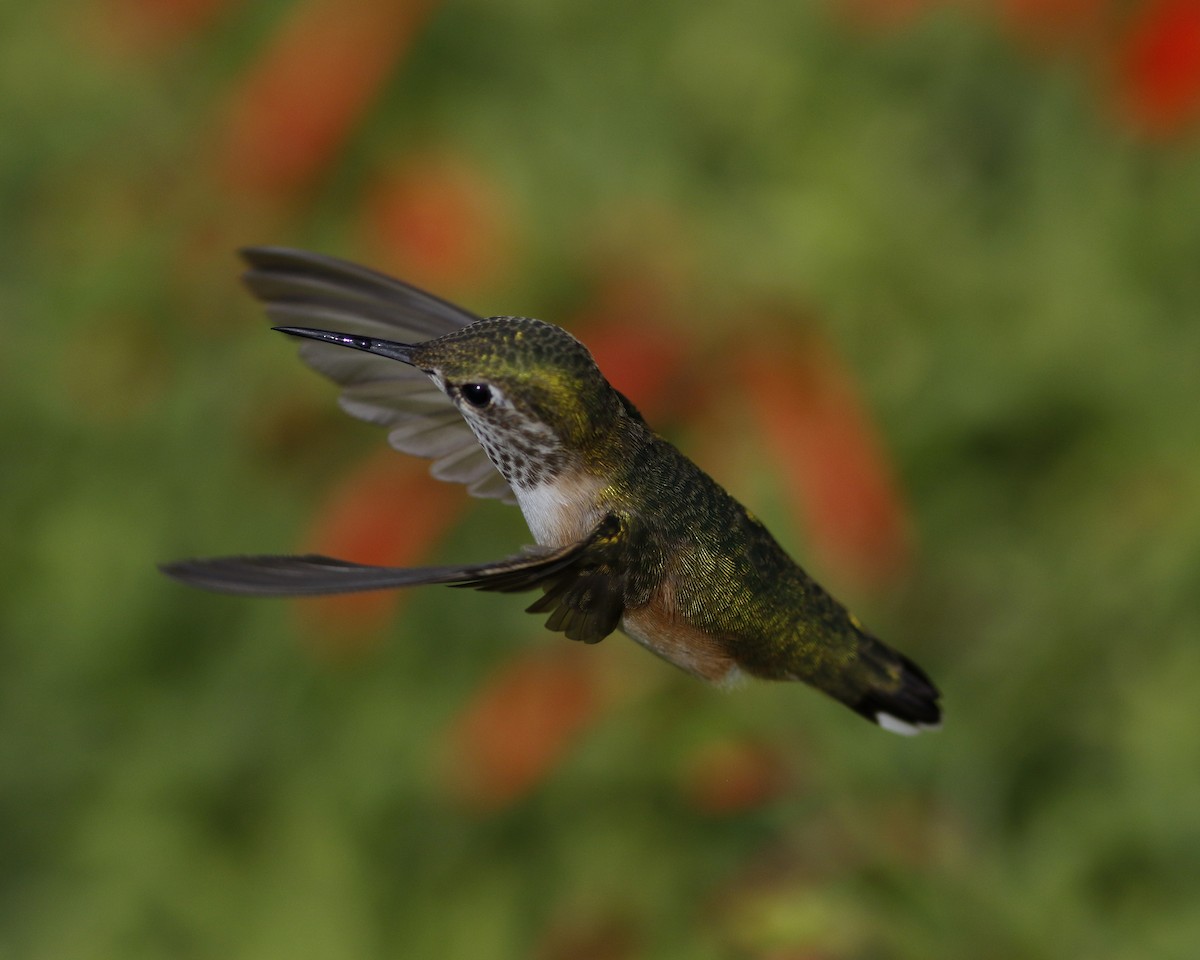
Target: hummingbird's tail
(891,691)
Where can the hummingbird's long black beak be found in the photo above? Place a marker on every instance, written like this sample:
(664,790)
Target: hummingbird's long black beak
(381,348)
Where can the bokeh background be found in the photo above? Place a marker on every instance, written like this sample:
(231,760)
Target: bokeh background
(919,281)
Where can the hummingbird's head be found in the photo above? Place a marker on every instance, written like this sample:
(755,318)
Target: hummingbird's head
(529,390)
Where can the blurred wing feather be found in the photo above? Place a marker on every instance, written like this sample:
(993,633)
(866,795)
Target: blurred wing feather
(584,582)
(298,288)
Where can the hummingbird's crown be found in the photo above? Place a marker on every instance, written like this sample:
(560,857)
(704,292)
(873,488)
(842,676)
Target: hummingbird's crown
(514,345)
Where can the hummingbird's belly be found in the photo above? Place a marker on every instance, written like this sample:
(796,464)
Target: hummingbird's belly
(657,628)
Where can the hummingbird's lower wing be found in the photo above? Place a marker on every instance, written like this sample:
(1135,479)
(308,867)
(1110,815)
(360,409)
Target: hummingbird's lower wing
(299,288)
(585,594)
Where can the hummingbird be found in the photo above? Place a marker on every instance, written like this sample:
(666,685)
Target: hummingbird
(630,534)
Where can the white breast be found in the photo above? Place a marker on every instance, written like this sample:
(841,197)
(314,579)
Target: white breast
(561,511)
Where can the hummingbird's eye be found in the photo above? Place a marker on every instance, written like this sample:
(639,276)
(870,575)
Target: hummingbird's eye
(476,394)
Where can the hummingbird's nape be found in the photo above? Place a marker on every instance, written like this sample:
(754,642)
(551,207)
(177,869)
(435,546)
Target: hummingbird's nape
(381,348)
(631,534)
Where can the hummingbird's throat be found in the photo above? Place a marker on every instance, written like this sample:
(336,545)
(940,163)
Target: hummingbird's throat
(527,454)
(560,501)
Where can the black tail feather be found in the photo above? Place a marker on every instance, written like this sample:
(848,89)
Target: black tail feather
(907,702)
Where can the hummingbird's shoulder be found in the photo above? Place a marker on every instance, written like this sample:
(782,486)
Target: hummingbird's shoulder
(731,573)
(694,515)
(698,559)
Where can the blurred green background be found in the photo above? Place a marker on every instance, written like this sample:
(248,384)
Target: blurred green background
(917,281)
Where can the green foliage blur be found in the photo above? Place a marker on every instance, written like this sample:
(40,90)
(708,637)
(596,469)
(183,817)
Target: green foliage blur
(1009,269)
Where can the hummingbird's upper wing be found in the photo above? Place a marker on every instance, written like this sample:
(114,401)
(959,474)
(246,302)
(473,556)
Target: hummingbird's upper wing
(585,591)
(306,289)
